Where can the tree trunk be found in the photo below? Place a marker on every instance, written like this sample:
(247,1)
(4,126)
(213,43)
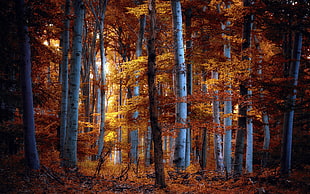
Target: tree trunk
(102,10)
(118,150)
(153,107)
(134,135)
(243,120)
(218,149)
(291,99)
(265,117)
(265,120)
(228,133)
(31,153)
(64,78)
(203,159)
(148,143)
(249,139)
(70,151)
(181,88)
(189,81)
(227,119)
(227,107)
(142,22)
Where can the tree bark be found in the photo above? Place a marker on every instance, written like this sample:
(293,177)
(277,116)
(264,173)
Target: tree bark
(64,78)
(189,81)
(227,107)
(102,9)
(31,153)
(204,152)
(218,149)
(70,151)
(243,108)
(134,135)
(181,88)
(291,99)
(153,107)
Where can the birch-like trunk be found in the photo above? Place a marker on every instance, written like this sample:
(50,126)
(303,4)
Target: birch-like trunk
(227,111)
(64,78)
(70,151)
(181,88)
(218,149)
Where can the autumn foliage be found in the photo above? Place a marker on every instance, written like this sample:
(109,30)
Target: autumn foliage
(264,68)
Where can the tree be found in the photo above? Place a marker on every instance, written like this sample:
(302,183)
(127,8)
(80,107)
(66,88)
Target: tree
(134,135)
(218,148)
(244,123)
(99,14)
(181,88)
(31,153)
(227,103)
(153,107)
(70,151)
(291,99)
(64,77)
(103,6)
(189,77)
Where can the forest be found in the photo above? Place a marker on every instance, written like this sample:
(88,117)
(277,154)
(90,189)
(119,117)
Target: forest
(155,96)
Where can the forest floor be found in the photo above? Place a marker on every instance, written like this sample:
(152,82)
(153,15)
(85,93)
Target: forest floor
(51,178)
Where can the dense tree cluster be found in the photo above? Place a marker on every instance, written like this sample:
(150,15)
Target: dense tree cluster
(220,84)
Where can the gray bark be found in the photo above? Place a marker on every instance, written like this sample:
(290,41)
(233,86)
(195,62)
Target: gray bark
(102,10)
(181,109)
(218,149)
(70,151)
(64,78)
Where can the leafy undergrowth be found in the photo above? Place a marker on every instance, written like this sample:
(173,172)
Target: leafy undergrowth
(51,178)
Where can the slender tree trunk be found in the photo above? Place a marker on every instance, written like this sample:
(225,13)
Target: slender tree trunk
(102,10)
(85,78)
(181,109)
(142,22)
(153,107)
(218,149)
(265,120)
(118,151)
(243,120)
(85,88)
(265,117)
(134,135)
(228,133)
(70,151)
(31,153)
(291,99)
(249,140)
(189,81)
(203,160)
(148,143)
(227,109)
(64,77)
